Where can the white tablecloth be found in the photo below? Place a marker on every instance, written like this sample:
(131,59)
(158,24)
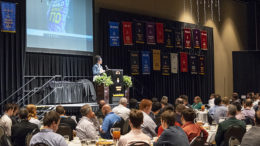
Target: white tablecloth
(211,136)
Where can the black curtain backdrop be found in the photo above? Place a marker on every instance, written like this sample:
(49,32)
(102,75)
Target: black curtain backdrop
(12,46)
(246,71)
(156,85)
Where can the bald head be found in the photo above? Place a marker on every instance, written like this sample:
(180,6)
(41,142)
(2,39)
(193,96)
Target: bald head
(106,109)
(101,103)
(257,117)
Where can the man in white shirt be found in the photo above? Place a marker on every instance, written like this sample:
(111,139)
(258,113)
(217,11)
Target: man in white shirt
(6,120)
(122,110)
(136,134)
(88,126)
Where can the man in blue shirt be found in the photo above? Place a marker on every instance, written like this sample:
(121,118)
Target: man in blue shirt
(109,120)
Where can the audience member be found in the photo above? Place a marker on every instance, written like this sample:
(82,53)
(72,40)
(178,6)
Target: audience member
(15,116)
(22,129)
(148,126)
(47,135)
(136,134)
(154,99)
(179,101)
(99,113)
(211,100)
(133,103)
(251,138)
(164,102)
(235,98)
(255,103)
(172,135)
(66,120)
(248,111)
(185,101)
(217,104)
(88,126)
(221,111)
(6,121)
(179,108)
(156,107)
(197,103)
(231,121)
(122,110)
(239,114)
(110,119)
(191,129)
(32,116)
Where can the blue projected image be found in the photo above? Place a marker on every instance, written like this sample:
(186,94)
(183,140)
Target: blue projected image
(59,25)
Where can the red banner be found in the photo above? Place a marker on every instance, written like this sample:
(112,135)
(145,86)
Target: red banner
(127,33)
(159,33)
(184,62)
(187,38)
(204,42)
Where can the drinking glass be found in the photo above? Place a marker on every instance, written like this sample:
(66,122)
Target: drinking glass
(202,107)
(67,138)
(115,132)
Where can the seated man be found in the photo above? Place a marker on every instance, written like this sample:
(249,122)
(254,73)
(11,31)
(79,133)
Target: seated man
(148,126)
(20,130)
(231,121)
(110,119)
(99,113)
(47,135)
(191,129)
(65,119)
(88,126)
(155,114)
(136,134)
(248,111)
(6,121)
(122,110)
(251,138)
(172,135)
(217,104)
(221,111)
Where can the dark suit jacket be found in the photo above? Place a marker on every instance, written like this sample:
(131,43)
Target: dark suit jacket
(173,136)
(223,126)
(20,131)
(68,121)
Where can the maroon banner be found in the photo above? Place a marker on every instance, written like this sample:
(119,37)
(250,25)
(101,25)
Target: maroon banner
(184,62)
(196,38)
(127,33)
(187,38)
(150,33)
(159,33)
(204,40)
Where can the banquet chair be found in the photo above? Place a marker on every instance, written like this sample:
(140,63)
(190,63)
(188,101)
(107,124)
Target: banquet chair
(198,140)
(235,132)
(30,135)
(4,139)
(139,143)
(40,144)
(64,129)
(119,124)
(249,121)
(234,142)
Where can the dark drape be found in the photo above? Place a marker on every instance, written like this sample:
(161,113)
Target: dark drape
(156,85)
(12,46)
(246,71)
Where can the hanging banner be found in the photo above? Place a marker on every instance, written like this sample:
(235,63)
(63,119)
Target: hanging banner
(156,60)
(168,38)
(166,64)
(114,34)
(178,39)
(139,33)
(127,33)
(159,33)
(202,65)
(150,33)
(193,64)
(187,38)
(134,57)
(8,12)
(204,40)
(196,38)
(174,63)
(184,62)
(146,68)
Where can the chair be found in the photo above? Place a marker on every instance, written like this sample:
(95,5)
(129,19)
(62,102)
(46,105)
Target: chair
(4,139)
(198,140)
(235,132)
(64,129)
(29,136)
(126,127)
(139,143)
(2,132)
(40,144)
(249,121)
(119,124)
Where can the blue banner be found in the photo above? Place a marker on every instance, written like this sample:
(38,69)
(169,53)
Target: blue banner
(114,33)
(8,17)
(146,66)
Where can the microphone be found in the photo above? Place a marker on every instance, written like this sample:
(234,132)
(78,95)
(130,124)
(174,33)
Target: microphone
(106,67)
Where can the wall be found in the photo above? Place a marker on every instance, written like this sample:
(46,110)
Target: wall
(230,34)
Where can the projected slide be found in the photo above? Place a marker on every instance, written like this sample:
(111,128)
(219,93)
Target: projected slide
(59,25)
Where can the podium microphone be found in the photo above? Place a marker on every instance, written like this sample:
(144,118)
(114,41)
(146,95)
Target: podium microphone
(106,67)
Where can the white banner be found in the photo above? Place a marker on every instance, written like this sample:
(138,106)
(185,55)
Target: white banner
(174,63)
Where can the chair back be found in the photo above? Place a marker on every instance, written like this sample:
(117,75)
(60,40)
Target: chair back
(65,129)
(236,132)
(40,144)
(138,143)
(29,136)
(119,124)
(2,131)
(249,121)
(198,140)
(4,139)
(126,127)
(234,142)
